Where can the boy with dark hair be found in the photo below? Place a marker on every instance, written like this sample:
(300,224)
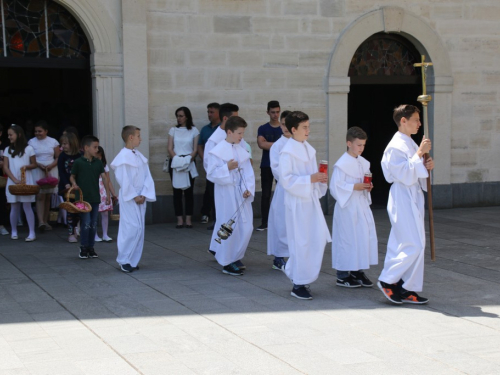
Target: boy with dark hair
(267,134)
(85,175)
(277,243)
(306,229)
(355,247)
(404,167)
(136,188)
(205,133)
(229,168)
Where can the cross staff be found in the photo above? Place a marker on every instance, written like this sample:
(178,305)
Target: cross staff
(425,99)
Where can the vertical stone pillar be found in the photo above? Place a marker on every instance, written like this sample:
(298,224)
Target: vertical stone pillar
(337,90)
(135,68)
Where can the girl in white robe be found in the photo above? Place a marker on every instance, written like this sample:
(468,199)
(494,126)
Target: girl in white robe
(306,228)
(354,245)
(132,173)
(277,243)
(230,187)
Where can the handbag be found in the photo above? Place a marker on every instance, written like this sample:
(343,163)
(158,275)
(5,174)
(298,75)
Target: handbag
(165,165)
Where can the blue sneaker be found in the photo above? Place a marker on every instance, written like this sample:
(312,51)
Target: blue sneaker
(279,264)
(301,292)
(240,265)
(232,269)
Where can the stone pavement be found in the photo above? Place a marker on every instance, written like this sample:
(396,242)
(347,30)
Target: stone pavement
(180,315)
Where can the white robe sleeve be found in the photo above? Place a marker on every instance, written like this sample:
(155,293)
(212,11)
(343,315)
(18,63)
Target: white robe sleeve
(249,178)
(148,190)
(208,147)
(274,157)
(217,170)
(123,176)
(340,189)
(403,169)
(295,184)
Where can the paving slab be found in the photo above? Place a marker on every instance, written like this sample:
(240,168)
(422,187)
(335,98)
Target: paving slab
(180,315)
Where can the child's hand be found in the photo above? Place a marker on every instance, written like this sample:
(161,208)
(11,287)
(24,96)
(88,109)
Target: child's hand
(41,166)
(425,146)
(429,164)
(371,187)
(16,181)
(246,194)
(108,201)
(362,186)
(232,164)
(319,177)
(74,186)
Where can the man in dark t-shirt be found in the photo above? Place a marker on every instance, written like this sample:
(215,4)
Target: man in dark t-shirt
(208,207)
(266,136)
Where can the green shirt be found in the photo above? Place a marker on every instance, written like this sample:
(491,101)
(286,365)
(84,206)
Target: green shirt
(87,173)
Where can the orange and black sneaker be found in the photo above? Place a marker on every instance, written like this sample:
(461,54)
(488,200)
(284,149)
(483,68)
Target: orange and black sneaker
(391,292)
(412,297)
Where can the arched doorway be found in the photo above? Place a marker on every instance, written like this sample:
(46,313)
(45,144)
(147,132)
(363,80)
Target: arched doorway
(382,77)
(44,67)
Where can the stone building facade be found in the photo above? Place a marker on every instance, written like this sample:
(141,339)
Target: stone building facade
(150,57)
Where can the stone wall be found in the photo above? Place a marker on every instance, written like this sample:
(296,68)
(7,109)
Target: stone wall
(252,51)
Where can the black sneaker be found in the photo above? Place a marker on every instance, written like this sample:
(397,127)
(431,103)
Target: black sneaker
(361,277)
(279,264)
(92,253)
(232,269)
(211,252)
(240,265)
(84,254)
(348,282)
(391,292)
(126,268)
(302,292)
(211,227)
(412,297)
(261,228)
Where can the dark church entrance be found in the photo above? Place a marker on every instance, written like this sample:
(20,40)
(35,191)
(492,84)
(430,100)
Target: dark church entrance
(382,77)
(44,68)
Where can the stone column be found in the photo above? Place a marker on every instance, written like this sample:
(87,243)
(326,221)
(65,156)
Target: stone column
(337,90)
(135,68)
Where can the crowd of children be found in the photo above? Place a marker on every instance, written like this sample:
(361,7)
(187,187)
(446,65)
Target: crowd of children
(297,228)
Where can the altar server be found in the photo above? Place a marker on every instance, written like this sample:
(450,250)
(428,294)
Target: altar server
(136,188)
(229,168)
(306,228)
(354,245)
(277,244)
(404,167)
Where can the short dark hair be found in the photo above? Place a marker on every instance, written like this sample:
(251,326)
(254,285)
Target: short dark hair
(42,124)
(227,110)
(294,119)
(273,104)
(284,114)
(189,117)
(234,123)
(404,110)
(213,105)
(127,131)
(88,140)
(355,133)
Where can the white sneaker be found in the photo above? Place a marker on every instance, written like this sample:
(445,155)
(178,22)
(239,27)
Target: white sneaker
(3,231)
(97,239)
(107,239)
(204,219)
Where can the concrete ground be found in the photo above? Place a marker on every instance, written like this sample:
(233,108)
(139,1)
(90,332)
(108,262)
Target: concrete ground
(180,315)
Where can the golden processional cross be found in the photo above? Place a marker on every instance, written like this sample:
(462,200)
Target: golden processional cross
(425,99)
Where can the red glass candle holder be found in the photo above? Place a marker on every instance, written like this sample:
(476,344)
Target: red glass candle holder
(323,166)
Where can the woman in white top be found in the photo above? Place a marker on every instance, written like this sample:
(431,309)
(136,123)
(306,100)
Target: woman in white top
(47,152)
(183,142)
(19,155)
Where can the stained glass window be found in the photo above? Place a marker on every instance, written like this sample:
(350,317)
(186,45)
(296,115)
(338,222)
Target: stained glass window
(384,55)
(40,28)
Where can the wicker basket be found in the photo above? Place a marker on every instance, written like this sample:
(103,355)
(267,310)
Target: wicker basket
(70,207)
(115,217)
(53,215)
(22,188)
(3,182)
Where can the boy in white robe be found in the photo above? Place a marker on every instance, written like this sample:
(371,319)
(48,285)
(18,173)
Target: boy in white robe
(404,166)
(229,168)
(277,244)
(354,247)
(136,188)
(306,228)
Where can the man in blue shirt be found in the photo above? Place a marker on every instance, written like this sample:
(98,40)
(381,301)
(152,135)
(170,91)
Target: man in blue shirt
(266,136)
(206,132)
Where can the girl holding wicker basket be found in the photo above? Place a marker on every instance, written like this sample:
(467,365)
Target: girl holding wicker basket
(19,160)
